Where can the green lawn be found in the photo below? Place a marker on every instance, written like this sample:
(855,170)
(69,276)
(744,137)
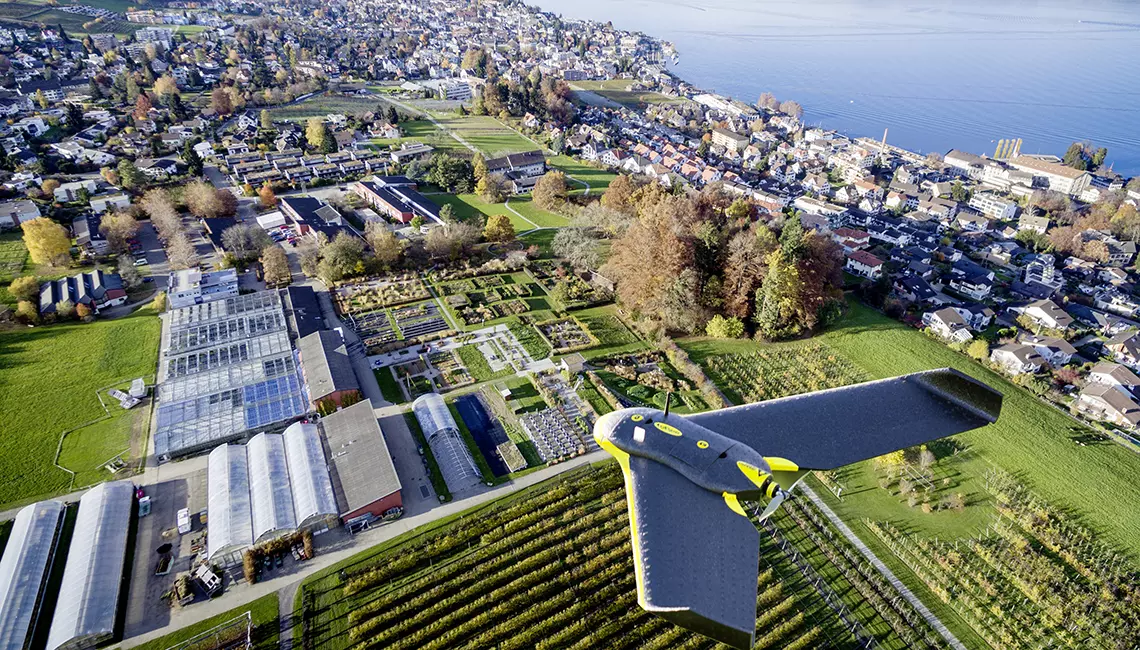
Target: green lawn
(86,451)
(478,365)
(599,179)
(389,387)
(524,396)
(1032,440)
(615,90)
(266,631)
(612,334)
(50,375)
(469,205)
(487,134)
(13,259)
(322,105)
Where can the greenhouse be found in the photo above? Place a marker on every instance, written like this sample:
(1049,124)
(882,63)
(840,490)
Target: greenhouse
(24,570)
(89,592)
(442,435)
(313,498)
(231,518)
(270,495)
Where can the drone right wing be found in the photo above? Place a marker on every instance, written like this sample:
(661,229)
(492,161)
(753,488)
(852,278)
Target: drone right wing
(832,428)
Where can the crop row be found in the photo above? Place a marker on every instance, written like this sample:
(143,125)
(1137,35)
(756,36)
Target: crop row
(782,371)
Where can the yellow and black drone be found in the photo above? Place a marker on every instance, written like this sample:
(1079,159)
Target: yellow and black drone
(695,550)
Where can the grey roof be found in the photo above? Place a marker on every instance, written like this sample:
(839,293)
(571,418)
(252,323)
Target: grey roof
(228,501)
(23,571)
(360,464)
(325,364)
(89,593)
(271,497)
(442,434)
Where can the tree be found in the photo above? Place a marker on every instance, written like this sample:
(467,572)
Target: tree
(130,176)
(165,85)
(499,229)
(128,272)
(27,312)
(479,166)
(1099,156)
(550,191)
(745,268)
(25,288)
(1032,240)
(266,120)
(679,308)
(651,254)
(340,258)
(768,100)
(49,186)
(577,246)
(959,193)
(610,222)
(41,99)
(386,247)
(792,108)
(84,312)
(118,228)
(492,188)
(618,196)
(978,349)
(202,199)
(792,240)
(417,221)
(1126,222)
(315,132)
(446,214)
(142,107)
(1076,157)
(724,328)
(192,159)
(275,265)
(267,196)
(180,252)
(245,241)
(452,174)
(163,215)
(221,101)
(64,310)
(47,241)
(740,209)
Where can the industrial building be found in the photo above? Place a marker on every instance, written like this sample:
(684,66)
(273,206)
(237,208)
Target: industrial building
(442,435)
(93,576)
(363,476)
(24,571)
(227,371)
(272,486)
(193,287)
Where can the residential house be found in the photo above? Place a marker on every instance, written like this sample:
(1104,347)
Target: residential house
(101,204)
(1105,402)
(948,324)
(731,141)
(68,192)
(994,206)
(1017,359)
(1048,314)
(1125,348)
(915,289)
(95,289)
(864,264)
(1115,375)
(157,168)
(14,213)
(1056,352)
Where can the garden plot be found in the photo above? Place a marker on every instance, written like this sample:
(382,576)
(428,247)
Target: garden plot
(452,372)
(481,299)
(560,281)
(377,294)
(415,376)
(647,378)
(553,435)
(374,328)
(566,335)
(419,320)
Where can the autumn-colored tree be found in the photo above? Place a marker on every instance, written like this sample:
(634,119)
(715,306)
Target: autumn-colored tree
(978,349)
(275,265)
(724,328)
(315,132)
(84,312)
(746,265)
(478,163)
(142,107)
(1095,251)
(1126,222)
(47,241)
(492,188)
(499,229)
(1065,239)
(228,202)
(49,186)
(165,85)
(25,288)
(27,312)
(118,228)
(386,247)
(550,191)
(648,258)
(619,194)
(163,215)
(221,102)
(181,253)
(202,199)
(267,195)
(792,108)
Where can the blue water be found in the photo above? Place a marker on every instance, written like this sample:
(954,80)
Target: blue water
(940,74)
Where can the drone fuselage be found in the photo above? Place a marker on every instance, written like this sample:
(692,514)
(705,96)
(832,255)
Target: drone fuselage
(715,462)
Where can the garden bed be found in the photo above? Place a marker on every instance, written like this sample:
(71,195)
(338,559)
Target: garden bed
(376,294)
(565,335)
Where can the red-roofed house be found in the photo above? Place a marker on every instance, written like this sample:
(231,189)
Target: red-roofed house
(851,239)
(864,264)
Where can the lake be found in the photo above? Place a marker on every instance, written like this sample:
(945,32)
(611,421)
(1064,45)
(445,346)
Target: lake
(938,74)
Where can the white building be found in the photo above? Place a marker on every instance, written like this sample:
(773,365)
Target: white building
(191,286)
(994,206)
(1059,178)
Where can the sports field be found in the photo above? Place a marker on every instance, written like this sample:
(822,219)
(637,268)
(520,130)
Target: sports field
(1032,440)
(468,205)
(322,105)
(490,136)
(50,376)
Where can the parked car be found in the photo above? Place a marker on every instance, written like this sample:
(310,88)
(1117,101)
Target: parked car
(141,261)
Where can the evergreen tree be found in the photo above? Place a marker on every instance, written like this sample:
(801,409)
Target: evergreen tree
(192,159)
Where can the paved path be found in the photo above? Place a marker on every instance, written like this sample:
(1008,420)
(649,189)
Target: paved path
(415,111)
(882,568)
(518,214)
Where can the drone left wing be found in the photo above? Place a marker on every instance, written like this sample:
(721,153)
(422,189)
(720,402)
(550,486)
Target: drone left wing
(695,556)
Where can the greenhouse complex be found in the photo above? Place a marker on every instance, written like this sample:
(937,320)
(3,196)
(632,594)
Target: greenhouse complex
(24,569)
(442,435)
(274,485)
(228,370)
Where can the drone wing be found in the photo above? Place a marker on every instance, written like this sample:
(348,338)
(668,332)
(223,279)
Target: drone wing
(696,557)
(832,428)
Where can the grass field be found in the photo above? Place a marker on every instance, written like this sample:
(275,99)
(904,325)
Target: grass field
(50,375)
(615,90)
(599,179)
(264,612)
(612,334)
(389,387)
(322,105)
(490,136)
(1032,440)
(478,366)
(86,450)
(13,258)
(469,205)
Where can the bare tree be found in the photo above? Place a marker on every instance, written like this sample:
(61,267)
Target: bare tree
(181,253)
(245,241)
(276,266)
(118,228)
(577,246)
(129,272)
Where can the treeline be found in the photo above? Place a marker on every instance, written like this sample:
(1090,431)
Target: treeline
(547,98)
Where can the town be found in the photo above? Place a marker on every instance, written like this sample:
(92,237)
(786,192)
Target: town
(308,311)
